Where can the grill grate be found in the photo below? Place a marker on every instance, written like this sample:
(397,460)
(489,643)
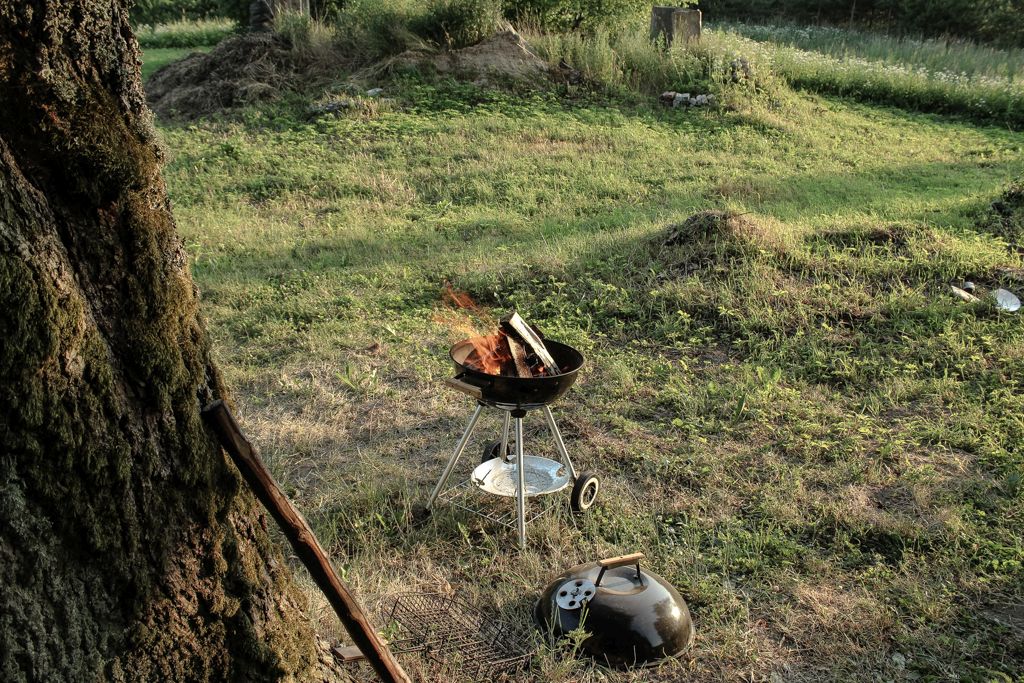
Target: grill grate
(466,496)
(449,631)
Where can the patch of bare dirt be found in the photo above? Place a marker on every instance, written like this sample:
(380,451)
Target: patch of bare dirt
(241,70)
(893,499)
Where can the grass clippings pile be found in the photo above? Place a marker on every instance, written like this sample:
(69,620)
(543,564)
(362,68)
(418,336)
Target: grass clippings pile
(1007,215)
(711,225)
(242,70)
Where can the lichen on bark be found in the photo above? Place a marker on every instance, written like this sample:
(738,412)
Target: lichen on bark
(129,550)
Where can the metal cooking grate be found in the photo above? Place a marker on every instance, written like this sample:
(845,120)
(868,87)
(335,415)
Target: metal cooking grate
(449,631)
(466,496)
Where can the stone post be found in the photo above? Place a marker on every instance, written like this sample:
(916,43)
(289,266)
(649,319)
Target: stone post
(675,22)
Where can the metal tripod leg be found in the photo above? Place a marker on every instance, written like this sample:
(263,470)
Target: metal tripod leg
(555,432)
(459,447)
(521,488)
(503,453)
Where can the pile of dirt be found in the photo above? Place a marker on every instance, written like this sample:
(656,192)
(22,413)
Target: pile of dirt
(259,66)
(1006,217)
(711,225)
(505,55)
(240,70)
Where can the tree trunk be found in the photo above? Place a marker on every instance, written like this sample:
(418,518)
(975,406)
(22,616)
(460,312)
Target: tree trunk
(129,550)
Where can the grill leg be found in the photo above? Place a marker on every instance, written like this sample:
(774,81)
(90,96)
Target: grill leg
(521,489)
(459,448)
(555,432)
(504,435)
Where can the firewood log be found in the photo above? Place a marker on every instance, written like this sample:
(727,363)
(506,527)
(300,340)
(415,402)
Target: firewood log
(514,325)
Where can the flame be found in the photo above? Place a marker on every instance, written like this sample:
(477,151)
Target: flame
(490,353)
(457,299)
(462,301)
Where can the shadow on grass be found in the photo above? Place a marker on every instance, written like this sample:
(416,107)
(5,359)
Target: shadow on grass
(912,194)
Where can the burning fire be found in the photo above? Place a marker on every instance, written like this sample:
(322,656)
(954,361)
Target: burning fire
(490,353)
(504,352)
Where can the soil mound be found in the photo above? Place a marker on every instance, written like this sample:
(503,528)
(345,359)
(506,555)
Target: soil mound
(504,54)
(711,225)
(241,70)
(259,66)
(1006,218)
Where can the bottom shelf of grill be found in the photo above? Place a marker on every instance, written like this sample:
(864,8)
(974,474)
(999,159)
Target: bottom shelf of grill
(500,510)
(453,633)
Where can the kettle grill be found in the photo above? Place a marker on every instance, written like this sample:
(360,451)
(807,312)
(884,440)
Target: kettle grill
(506,470)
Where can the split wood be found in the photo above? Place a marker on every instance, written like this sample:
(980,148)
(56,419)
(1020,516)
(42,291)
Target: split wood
(296,529)
(516,324)
(518,356)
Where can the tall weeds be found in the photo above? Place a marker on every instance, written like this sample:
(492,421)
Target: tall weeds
(626,59)
(190,33)
(983,84)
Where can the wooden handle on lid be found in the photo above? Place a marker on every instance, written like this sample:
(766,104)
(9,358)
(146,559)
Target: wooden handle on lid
(621,560)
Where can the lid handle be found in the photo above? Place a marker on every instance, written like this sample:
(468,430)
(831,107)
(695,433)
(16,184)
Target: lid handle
(619,561)
(459,384)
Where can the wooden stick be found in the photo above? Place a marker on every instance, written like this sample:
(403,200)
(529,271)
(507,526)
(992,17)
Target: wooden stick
(304,541)
(465,387)
(519,357)
(526,333)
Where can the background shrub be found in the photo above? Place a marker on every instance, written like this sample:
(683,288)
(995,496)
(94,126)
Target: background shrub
(152,12)
(458,23)
(185,33)
(581,15)
(370,29)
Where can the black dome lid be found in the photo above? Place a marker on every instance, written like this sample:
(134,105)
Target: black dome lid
(634,617)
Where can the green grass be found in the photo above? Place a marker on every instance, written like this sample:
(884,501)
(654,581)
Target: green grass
(982,84)
(796,423)
(952,56)
(154,58)
(186,33)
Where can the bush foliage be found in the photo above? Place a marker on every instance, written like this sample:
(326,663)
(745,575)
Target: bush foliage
(584,15)
(458,23)
(152,12)
(178,34)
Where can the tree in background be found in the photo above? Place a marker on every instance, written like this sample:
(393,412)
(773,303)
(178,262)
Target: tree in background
(129,550)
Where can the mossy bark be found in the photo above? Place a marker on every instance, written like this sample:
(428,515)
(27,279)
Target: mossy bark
(129,549)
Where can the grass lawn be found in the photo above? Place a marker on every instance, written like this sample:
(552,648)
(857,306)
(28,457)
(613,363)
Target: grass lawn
(798,425)
(155,57)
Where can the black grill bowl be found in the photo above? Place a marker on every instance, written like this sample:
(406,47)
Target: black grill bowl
(520,392)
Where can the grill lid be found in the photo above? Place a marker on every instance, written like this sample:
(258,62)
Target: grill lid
(634,617)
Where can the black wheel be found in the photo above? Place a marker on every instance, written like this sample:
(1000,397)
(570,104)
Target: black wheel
(492,449)
(584,491)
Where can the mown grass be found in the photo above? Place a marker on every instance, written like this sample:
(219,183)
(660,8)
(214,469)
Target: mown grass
(154,58)
(796,423)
